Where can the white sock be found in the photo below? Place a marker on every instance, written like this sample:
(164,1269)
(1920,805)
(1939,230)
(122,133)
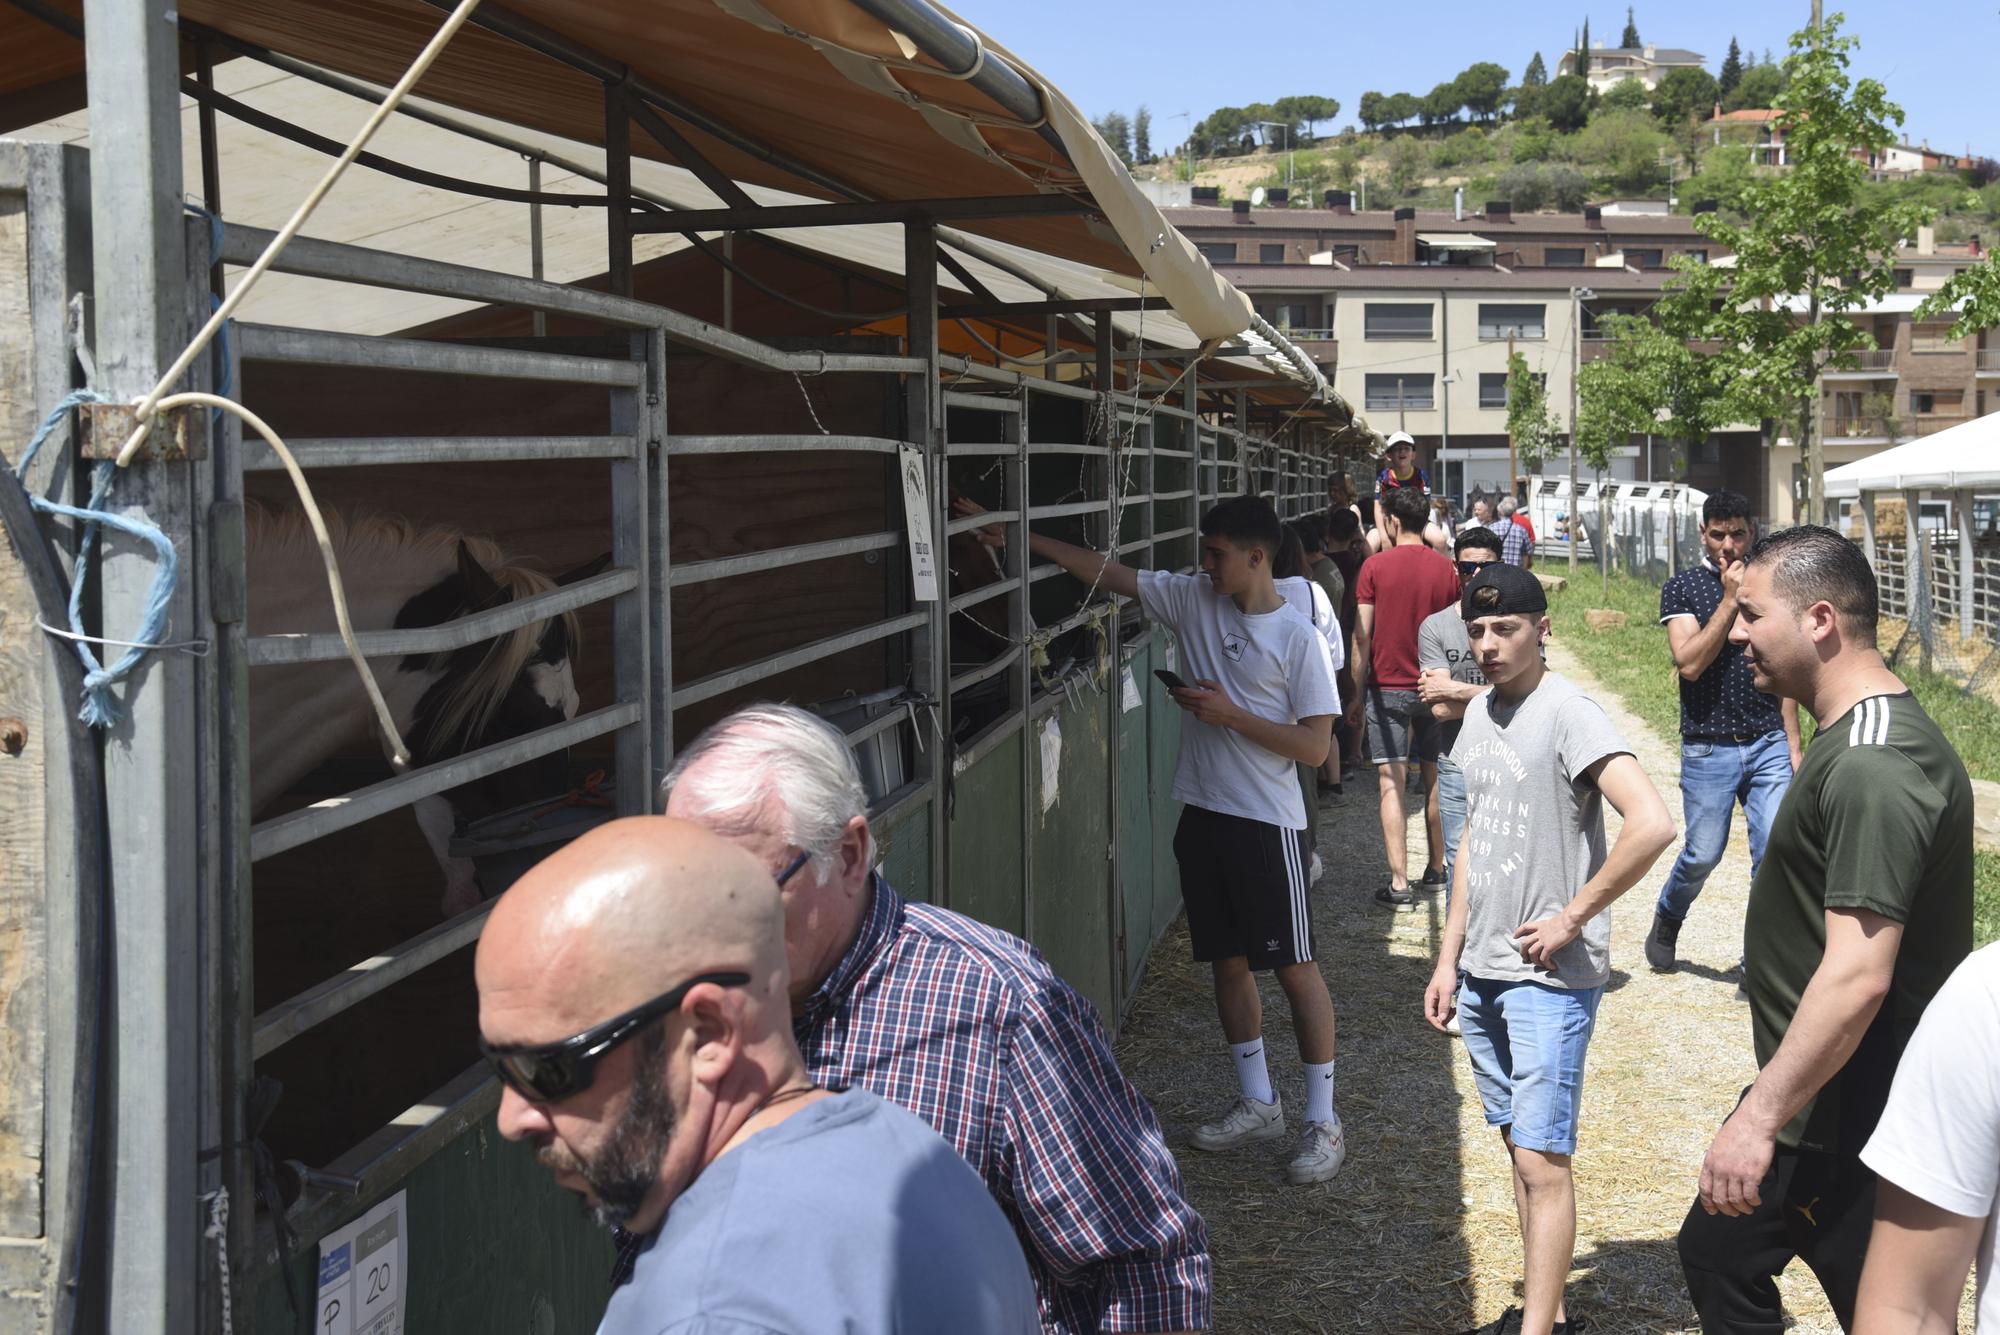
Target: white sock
(1319,1091)
(1251,1074)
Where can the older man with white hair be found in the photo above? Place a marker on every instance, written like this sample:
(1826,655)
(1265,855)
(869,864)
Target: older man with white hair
(964,1025)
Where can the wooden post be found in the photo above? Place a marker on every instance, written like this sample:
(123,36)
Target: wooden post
(1963,499)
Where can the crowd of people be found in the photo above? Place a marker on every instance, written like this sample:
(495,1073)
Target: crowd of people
(806,1104)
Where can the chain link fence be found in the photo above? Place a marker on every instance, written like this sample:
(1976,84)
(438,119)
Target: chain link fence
(1941,612)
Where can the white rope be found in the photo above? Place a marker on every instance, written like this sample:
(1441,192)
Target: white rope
(152,403)
(198,648)
(218,1228)
(399,752)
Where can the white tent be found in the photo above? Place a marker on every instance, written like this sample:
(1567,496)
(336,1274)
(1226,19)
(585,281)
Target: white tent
(1957,461)
(1962,457)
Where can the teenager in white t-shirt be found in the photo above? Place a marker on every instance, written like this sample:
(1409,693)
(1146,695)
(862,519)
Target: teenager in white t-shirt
(1936,1152)
(1259,701)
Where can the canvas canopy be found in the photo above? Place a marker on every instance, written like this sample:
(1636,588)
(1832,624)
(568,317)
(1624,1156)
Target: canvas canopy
(1963,457)
(815,97)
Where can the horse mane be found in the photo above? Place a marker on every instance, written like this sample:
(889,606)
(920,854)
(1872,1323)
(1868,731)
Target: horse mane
(381,543)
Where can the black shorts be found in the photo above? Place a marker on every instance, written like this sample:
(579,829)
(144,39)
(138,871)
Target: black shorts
(1244,884)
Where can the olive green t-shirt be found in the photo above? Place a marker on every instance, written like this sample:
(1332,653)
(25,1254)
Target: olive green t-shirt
(1879,817)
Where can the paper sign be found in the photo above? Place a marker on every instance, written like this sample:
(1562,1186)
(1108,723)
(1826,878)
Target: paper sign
(361,1279)
(1051,738)
(1131,700)
(1173,659)
(917,516)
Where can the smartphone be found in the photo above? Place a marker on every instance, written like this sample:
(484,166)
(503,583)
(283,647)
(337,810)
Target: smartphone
(1173,683)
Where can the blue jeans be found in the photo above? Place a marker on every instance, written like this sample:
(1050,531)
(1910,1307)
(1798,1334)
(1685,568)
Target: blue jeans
(1451,814)
(1715,776)
(1527,1043)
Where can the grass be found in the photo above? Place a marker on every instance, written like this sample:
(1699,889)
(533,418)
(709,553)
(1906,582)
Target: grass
(1632,661)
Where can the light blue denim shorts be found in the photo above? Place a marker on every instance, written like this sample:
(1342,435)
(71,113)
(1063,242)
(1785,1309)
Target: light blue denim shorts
(1527,1043)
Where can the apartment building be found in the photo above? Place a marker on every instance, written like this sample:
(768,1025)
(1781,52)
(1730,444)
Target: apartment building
(1611,66)
(1411,313)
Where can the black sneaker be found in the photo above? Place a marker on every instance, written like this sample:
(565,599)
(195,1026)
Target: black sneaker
(1433,878)
(1403,901)
(1660,942)
(1509,1322)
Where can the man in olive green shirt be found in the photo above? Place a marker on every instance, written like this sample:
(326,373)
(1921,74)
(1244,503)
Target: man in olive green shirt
(1860,910)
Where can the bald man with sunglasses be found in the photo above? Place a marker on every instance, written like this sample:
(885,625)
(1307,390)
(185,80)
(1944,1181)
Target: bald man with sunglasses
(634,1002)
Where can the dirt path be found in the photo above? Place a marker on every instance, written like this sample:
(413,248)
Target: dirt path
(1417,1234)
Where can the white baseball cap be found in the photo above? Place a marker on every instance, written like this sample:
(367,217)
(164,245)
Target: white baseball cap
(1399,438)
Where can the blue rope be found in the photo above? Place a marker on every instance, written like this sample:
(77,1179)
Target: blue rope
(100,708)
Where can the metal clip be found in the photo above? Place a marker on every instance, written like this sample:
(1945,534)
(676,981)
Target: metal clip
(107,426)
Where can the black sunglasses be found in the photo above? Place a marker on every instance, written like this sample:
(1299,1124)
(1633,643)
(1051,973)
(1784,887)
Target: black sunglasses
(551,1072)
(1474,567)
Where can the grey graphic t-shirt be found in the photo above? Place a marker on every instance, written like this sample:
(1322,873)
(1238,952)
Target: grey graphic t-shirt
(1534,828)
(1443,643)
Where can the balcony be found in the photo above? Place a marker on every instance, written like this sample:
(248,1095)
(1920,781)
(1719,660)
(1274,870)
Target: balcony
(1989,362)
(1874,364)
(1929,424)
(1859,429)
(1317,344)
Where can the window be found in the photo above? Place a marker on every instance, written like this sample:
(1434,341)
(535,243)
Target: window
(1932,336)
(1698,255)
(1397,319)
(1510,320)
(1217,252)
(1297,315)
(1493,387)
(1563,257)
(1271,253)
(1645,259)
(1905,277)
(1395,390)
(1947,401)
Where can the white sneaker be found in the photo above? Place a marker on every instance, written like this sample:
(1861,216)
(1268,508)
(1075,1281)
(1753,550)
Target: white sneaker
(1322,1149)
(1317,870)
(1451,1026)
(1246,1120)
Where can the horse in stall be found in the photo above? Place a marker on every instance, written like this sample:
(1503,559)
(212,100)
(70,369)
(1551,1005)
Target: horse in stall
(445,704)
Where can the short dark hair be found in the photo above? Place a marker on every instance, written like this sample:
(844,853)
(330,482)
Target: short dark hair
(1343,525)
(1811,564)
(1290,559)
(1725,505)
(1479,536)
(1408,507)
(1247,521)
(1312,531)
(1485,600)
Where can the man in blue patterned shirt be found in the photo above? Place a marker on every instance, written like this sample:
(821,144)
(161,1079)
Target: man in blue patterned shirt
(1737,744)
(964,1025)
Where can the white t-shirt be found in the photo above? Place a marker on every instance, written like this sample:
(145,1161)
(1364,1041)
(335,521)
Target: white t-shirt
(1309,600)
(1273,665)
(1939,1138)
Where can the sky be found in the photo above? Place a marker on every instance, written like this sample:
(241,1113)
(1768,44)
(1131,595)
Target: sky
(1934,56)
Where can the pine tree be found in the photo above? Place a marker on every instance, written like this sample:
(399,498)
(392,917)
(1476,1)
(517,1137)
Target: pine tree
(1583,50)
(1629,39)
(1536,75)
(1732,69)
(1142,133)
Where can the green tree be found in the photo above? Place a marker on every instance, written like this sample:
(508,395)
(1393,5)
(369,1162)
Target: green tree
(1625,149)
(1684,94)
(1629,39)
(1972,294)
(1732,69)
(1536,75)
(1374,114)
(1566,103)
(1758,88)
(1115,130)
(1442,103)
(1725,176)
(1305,111)
(1407,161)
(1142,133)
(1817,242)
(1403,107)
(1482,87)
(1529,423)
(1583,50)
(1627,95)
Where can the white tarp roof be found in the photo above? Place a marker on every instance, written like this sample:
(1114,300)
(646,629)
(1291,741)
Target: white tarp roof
(1455,241)
(1967,455)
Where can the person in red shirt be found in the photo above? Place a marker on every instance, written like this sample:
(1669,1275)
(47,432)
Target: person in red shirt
(1397,589)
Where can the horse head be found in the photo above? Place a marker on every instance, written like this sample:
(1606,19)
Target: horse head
(490,692)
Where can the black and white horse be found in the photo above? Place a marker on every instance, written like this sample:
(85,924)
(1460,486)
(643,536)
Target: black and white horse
(446,704)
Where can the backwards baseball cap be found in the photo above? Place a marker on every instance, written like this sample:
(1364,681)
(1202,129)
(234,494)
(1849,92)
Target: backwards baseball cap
(1399,438)
(1521,594)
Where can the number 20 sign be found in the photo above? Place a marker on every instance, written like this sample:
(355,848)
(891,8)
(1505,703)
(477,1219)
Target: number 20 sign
(361,1281)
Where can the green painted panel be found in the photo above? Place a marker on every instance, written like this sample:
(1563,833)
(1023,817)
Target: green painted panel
(986,839)
(1071,909)
(903,851)
(1166,749)
(492,1244)
(1135,820)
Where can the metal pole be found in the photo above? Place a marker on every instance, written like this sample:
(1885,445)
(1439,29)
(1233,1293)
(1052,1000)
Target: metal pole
(535,267)
(1575,370)
(924,420)
(1965,558)
(1112,648)
(138,245)
(618,185)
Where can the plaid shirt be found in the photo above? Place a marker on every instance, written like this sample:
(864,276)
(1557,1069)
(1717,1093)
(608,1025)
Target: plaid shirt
(1514,542)
(969,1028)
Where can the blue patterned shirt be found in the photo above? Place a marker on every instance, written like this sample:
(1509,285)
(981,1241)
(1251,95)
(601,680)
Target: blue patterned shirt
(969,1028)
(1723,702)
